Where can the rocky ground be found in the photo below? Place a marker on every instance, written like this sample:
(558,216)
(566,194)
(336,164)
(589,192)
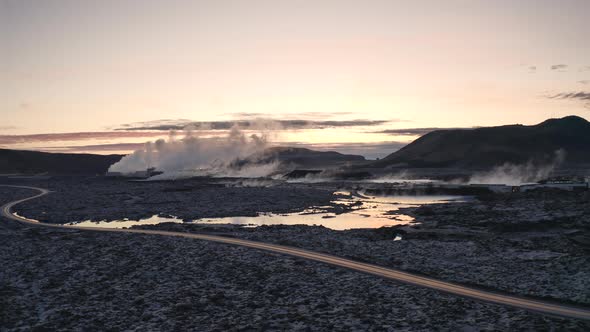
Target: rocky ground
(60,279)
(535,244)
(98,198)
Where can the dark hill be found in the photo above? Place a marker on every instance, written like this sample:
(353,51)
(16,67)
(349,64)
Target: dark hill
(32,162)
(491,146)
(300,157)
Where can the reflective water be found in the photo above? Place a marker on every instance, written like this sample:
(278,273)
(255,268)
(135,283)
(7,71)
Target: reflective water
(361,212)
(126,223)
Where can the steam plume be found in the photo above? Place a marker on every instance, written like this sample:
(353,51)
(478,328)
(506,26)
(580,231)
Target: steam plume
(511,174)
(193,156)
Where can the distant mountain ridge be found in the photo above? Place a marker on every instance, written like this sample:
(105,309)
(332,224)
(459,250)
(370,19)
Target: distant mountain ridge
(33,162)
(491,146)
(299,157)
(483,147)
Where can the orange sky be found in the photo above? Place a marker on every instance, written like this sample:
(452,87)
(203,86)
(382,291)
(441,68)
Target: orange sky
(87,66)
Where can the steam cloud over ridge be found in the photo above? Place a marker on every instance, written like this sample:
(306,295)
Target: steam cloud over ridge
(511,174)
(191,155)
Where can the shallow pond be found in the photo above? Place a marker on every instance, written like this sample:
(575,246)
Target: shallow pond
(360,212)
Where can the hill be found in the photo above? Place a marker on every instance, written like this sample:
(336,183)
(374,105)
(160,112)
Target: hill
(491,146)
(299,158)
(33,162)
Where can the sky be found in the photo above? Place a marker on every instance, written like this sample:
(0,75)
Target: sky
(82,76)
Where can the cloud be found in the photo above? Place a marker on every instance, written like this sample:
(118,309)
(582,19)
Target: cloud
(113,147)
(579,96)
(161,122)
(260,123)
(413,131)
(20,139)
(584,96)
(584,82)
(8,127)
(369,150)
(115,139)
(586,68)
(559,67)
(532,69)
(299,116)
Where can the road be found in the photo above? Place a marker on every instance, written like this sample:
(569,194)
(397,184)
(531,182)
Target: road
(387,273)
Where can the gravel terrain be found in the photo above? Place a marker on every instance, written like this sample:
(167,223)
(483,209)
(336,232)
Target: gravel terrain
(533,244)
(96,198)
(75,280)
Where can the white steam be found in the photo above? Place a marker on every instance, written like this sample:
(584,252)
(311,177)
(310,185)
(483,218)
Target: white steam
(404,177)
(194,156)
(311,178)
(510,174)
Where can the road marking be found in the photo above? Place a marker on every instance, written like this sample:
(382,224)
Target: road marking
(387,273)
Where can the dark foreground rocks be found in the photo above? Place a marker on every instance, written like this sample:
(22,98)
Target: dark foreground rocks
(533,244)
(99,198)
(55,279)
(83,281)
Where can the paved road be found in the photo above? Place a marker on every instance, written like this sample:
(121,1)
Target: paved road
(387,273)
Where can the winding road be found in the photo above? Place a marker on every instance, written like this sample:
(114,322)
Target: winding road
(387,273)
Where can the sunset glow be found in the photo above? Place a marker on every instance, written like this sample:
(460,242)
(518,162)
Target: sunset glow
(71,66)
